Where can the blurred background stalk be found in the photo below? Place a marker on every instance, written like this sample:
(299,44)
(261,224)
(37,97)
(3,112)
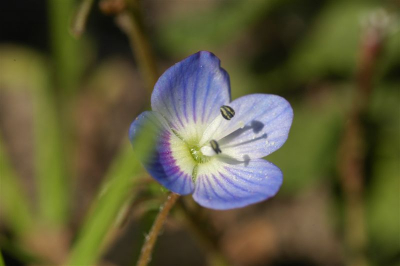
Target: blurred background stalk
(54,180)
(114,194)
(14,203)
(353,150)
(78,25)
(65,49)
(131,23)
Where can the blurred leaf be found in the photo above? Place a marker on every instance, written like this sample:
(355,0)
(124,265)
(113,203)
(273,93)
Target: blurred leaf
(13,201)
(391,53)
(16,250)
(114,194)
(26,70)
(206,30)
(383,214)
(310,151)
(1,260)
(51,170)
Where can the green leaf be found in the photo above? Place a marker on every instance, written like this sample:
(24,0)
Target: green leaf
(332,45)
(49,162)
(310,151)
(383,216)
(114,195)
(13,202)
(1,260)
(117,190)
(209,29)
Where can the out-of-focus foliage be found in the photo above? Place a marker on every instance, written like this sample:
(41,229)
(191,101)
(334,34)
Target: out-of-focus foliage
(383,194)
(212,28)
(63,132)
(27,72)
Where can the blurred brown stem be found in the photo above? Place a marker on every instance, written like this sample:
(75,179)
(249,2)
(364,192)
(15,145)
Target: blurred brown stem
(79,23)
(130,21)
(151,238)
(352,151)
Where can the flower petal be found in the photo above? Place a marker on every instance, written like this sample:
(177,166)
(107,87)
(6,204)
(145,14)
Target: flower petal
(190,93)
(169,160)
(221,185)
(260,126)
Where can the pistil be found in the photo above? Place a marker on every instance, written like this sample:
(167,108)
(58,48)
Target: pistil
(197,155)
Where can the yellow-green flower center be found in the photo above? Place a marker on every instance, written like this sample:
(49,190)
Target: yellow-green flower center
(197,155)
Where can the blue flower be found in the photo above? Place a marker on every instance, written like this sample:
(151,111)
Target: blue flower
(208,145)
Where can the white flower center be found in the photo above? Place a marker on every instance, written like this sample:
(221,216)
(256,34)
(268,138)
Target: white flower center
(207,146)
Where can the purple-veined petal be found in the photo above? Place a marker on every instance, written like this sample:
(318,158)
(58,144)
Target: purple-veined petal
(189,94)
(225,185)
(169,160)
(260,126)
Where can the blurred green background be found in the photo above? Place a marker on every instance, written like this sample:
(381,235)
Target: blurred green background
(72,191)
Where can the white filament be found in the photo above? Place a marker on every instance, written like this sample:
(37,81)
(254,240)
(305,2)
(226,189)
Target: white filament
(207,151)
(214,130)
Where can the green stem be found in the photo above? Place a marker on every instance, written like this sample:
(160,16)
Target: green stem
(115,192)
(54,127)
(151,238)
(65,48)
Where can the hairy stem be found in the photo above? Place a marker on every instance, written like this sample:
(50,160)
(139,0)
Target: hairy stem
(151,238)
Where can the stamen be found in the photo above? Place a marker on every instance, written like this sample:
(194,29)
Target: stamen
(227,112)
(215,146)
(228,134)
(214,129)
(210,130)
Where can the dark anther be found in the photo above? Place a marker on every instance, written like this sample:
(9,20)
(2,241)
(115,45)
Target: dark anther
(215,146)
(227,112)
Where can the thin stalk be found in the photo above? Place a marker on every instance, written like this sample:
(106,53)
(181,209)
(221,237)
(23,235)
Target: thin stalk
(54,125)
(353,149)
(130,21)
(65,49)
(151,238)
(79,23)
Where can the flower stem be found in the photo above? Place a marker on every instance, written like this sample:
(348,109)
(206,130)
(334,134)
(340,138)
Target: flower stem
(151,238)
